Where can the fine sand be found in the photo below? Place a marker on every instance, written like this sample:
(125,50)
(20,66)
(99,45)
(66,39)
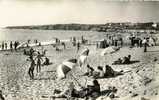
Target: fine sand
(140,81)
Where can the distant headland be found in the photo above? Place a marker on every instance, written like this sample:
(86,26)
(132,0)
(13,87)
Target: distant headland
(92,27)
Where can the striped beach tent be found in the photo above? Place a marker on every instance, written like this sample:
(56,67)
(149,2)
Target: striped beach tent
(65,67)
(83,57)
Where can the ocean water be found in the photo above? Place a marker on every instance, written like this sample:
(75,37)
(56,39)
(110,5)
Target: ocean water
(22,35)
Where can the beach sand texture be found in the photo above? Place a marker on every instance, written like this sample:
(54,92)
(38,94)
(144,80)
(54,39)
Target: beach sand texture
(141,80)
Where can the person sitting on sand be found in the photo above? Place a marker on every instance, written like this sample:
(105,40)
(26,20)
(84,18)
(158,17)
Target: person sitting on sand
(92,91)
(119,61)
(1,95)
(109,72)
(89,70)
(100,71)
(126,60)
(47,61)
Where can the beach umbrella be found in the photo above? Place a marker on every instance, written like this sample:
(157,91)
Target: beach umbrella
(83,56)
(109,50)
(65,67)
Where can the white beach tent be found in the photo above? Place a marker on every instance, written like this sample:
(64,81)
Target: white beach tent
(83,56)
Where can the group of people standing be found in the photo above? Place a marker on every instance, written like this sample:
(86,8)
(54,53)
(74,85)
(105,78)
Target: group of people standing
(11,45)
(110,41)
(145,42)
(78,43)
(36,62)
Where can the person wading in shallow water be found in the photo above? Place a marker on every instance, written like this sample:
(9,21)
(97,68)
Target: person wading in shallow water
(39,59)
(31,69)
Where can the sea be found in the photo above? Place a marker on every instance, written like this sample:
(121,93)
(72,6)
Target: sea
(23,35)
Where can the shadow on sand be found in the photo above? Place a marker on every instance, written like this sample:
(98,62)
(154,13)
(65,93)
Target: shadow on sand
(109,76)
(131,62)
(45,78)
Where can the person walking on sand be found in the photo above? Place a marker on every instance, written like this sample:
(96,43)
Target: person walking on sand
(15,45)
(31,69)
(78,46)
(74,41)
(39,59)
(2,45)
(11,46)
(145,44)
(5,46)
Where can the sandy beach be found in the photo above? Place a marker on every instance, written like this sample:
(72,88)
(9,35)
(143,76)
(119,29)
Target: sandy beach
(141,80)
(120,39)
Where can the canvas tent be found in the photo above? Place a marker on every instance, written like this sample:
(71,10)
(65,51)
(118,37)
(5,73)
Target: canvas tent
(103,43)
(83,56)
(65,67)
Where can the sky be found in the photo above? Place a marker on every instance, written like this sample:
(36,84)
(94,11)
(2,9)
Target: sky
(39,12)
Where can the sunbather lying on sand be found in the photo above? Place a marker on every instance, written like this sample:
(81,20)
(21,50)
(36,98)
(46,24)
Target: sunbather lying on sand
(109,72)
(103,72)
(124,60)
(92,91)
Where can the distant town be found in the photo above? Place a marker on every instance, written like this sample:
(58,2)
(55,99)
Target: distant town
(94,27)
